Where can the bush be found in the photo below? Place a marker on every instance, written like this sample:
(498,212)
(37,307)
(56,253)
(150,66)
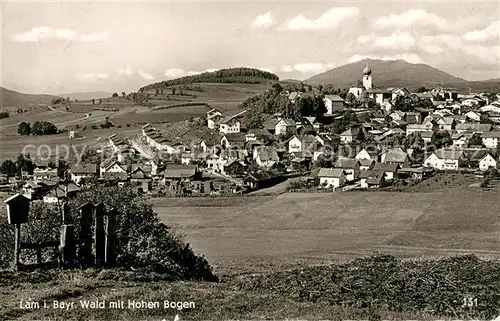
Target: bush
(145,242)
(4,114)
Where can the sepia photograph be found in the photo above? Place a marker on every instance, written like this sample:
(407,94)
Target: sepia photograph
(177,160)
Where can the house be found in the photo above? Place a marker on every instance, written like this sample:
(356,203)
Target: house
(294,95)
(35,189)
(487,162)
(333,103)
(387,105)
(446,123)
(474,116)
(397,115)
(349,135)
(461,140)
(350,166)
(368,153)
(59,193)
(419,128)
(215,163)
(82,171)
(390,170)
(111,166)
(120,178)
(229,125)
(280,126)
(332,177)
(181,173)
(140,179)
(491,139)
(366,164)
(357,89)
(445,159)
(265,156)
(395,156)
(302,143)
(235,141)
(313,122)
(379,95)
(263,178)
(413,118)
(372,179)
(40,173)
(428,137)
(473,128)
(494,107)
(213,117)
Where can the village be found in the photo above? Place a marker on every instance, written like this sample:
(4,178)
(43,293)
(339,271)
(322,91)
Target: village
(383,144)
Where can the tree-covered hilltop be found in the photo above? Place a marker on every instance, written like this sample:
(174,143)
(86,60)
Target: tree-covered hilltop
(231,75)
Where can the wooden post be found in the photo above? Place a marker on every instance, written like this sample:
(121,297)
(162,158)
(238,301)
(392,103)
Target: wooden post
(111,249)
(17,248)
(85,237)
(67,245)
(99,235)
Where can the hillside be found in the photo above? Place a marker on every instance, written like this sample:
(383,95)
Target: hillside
(386,74)
(87,95)
(11,98)
(231,75)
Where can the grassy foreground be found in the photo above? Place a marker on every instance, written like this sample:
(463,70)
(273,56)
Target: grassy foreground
(377,287)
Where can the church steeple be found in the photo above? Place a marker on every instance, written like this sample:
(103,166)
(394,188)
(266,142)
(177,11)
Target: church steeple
(367,78)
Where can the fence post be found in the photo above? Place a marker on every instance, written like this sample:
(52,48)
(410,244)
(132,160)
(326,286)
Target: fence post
(17,247)
(111,249)
(99,235)
(67,245)
(85,237)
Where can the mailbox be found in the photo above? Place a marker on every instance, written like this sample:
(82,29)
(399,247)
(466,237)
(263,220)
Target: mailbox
(18,207)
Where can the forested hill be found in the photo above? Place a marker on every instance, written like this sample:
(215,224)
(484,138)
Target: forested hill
(231,75)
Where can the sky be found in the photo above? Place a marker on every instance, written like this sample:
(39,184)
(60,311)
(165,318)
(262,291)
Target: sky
(63,47)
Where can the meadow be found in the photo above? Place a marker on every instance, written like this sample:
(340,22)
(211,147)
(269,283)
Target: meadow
(335,227)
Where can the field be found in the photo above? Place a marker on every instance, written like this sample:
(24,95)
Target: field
(124,114)
(332,227)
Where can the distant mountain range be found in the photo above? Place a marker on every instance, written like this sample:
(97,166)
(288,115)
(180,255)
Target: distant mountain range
(88,95)
(11,98)
(397,73)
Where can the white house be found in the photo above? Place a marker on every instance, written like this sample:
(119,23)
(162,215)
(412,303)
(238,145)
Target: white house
(111,166)
(299,144)
(229,125)
(487,162)
(349,135)
(333,103)
(461,140)
(83,171)
(350,166)
(265,156)
(472,115)
(331,177)
(284,126)
(491,108)
(490,139)
(367,154)
(445,159)
(213,117)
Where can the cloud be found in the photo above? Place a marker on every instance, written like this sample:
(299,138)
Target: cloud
(421,21)
(92,76)
(37,34)
(264,20)
(329,20)
(308,67)
(398,40)
(410,57)
(145,75)
(491,32)
(127,71)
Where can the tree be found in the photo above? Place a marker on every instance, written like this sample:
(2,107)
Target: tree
(421,90)
(43,128)
(173,91)
(123,94)
(157,91)
(476,140)
(255,121)
(24,129)
(93,101)
(115,95)
(350,98)
(8,168)
(4,114)
(62,168)
(24,163)
(277,88)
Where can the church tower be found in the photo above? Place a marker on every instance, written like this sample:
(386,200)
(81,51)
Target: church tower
(367,78)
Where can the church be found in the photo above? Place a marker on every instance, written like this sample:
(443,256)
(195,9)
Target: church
(359,87)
